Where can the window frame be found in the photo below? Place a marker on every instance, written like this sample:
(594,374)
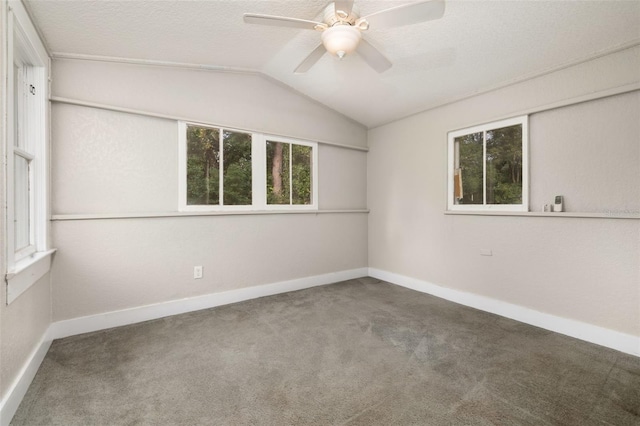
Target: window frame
(258,172)
(26,265)
(523,120)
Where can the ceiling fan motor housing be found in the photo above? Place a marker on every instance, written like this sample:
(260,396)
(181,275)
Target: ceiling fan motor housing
(331,18)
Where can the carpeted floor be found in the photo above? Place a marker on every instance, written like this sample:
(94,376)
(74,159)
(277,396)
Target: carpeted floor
(360,352)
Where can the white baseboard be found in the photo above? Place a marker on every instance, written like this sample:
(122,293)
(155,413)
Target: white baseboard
(9,405)
(106,320)
(622,342)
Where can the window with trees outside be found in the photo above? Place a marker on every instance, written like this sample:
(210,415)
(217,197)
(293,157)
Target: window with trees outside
(218,167)
(488,167)
(225,169)
(289,178)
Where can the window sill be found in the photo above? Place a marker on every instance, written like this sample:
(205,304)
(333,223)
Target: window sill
(282,208)
(27,272)
(100,216)
(602,215)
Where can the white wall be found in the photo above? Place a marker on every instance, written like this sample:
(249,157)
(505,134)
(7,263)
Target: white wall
(107,162)
(582,269)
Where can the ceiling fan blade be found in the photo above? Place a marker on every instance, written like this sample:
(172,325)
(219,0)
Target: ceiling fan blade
(311,60)
(282,21)
(407,14)
(373,57)
(343,8)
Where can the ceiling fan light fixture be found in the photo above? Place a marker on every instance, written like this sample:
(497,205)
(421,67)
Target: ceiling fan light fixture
(340,40)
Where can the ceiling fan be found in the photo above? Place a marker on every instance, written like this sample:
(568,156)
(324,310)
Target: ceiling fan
(342,29)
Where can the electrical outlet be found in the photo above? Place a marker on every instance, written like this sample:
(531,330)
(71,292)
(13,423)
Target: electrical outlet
(197,272)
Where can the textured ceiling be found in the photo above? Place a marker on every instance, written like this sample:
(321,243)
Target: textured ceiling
(476,45)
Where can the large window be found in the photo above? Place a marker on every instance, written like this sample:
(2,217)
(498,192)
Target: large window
(488,167)
(224,169)
(27,200)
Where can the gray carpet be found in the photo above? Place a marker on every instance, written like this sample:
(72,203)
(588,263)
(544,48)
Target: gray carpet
(360,352)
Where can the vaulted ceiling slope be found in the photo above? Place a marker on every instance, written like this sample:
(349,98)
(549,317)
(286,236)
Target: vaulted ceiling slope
(475,46)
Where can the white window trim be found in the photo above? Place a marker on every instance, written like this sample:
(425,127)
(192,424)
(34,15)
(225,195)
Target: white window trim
(26,266)
(451,206)
(258,173)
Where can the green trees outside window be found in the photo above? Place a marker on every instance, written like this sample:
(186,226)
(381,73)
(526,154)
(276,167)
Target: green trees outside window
(288,173)
(205,165)
(489,167)
(218,169)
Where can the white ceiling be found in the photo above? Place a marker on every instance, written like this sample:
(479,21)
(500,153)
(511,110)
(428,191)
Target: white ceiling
(476,45)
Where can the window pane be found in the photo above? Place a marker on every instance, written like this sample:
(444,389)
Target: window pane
(203,165)
(18,115)
(504,165)
(278,187)
(469,169)
(21,201)
(301,174)
(236,168)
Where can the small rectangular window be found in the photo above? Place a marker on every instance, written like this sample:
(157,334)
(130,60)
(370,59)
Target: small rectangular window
(488,167)
(218,167)
(289,173)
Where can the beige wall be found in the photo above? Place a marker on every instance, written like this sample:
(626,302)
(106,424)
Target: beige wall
(583,269)
(589,152)
(108,265)
(119,163)
(23,323)
(237,100)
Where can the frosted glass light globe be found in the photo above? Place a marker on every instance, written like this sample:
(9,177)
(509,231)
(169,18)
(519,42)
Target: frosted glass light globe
(341,40)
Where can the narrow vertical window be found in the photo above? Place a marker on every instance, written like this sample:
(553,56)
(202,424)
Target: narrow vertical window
(28,254)
(203,166)
(278,183)
(469,168)
(504,165)
(301,174)
(236,168)
(25,143)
